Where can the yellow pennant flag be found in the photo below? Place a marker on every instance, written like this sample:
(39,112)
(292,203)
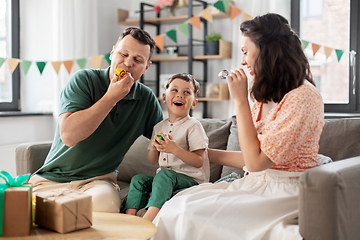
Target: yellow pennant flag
(246,17)
(234,12)
(328,52)
(96,61)
(206,14)
(68,65)
(13,62)
(159,41)
(56,66)
(195,21)
(315,48)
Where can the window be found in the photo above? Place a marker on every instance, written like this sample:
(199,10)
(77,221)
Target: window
(332,25)
(9,48)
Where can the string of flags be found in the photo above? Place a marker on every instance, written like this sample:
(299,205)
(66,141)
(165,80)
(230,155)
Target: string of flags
(195,21)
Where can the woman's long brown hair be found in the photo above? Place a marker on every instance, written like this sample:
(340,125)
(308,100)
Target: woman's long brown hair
(281,65)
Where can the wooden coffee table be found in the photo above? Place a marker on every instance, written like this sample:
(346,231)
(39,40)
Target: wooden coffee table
(105,226)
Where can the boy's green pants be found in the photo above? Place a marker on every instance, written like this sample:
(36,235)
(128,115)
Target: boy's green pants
(161,188)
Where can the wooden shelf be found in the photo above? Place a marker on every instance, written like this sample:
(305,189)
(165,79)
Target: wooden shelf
(224,52)
(162,20)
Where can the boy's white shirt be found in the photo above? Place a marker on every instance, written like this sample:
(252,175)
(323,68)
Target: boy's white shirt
(188,134)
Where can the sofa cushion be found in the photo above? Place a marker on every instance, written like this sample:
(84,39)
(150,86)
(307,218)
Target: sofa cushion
(217,131)
(232,145)
(135,161)
(340,138)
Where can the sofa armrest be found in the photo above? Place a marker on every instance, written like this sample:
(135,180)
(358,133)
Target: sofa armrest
(329,206)
(29,157)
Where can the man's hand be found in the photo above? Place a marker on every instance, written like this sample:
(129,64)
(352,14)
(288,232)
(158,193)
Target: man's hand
(119,87)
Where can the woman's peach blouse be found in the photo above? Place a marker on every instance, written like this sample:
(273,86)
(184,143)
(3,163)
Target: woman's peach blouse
(289,134)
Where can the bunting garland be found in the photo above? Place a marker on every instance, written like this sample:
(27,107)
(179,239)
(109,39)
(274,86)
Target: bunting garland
(25,64)
(195,21)
(222,5)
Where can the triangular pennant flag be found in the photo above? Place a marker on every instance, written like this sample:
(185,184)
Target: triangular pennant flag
(68,65)
(96,61)
(328,52)
(219,5)
(41,66)
(184,28)
(234,12)
(2,60)
(226,3)
(246,17)
(12,62)
(315,48)
(172,35)
(81,62)
(159,41)
(304,44)
(25,65)
(195,21)
(339,54)
(107,58)
(206,14)
(56,66)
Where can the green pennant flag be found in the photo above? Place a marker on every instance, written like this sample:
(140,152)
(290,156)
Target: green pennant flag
(184,28)
(82,62)
(220,6)
(2,60)
(172,35)
(41,66)
(304,44)
(339,54)
(107,58)
(25,65)
(226,3)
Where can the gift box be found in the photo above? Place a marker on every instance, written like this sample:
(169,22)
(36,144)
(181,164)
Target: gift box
(63,211)
(15,206)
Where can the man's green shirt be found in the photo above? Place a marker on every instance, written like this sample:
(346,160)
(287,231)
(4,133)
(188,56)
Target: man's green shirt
(103,151)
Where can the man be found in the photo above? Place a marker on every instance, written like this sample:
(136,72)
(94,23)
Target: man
(101,116)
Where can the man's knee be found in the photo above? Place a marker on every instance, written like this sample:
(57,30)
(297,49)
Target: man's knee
(105,198)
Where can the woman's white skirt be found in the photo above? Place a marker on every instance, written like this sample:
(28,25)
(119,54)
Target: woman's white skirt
(261,205)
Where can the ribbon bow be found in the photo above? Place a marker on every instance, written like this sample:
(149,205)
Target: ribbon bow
(9,182)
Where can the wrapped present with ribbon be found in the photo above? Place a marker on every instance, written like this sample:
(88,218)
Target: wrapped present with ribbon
(15,206)
(63,210)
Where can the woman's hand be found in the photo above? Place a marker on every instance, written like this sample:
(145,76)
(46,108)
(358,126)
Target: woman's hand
(238,86)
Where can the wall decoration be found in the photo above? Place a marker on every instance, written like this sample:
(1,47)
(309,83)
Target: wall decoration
(195,21)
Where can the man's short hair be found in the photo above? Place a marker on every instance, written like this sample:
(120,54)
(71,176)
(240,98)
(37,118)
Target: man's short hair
(140,35)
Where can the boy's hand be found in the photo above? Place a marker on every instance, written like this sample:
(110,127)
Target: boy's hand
(156,140)
(167,145)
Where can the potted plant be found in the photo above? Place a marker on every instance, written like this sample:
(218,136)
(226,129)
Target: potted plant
(212,43)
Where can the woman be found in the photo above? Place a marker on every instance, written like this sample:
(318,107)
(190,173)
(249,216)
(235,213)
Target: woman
(279,140)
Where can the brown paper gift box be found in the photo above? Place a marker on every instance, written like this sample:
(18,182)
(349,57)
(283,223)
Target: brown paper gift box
(64,211)
(17,212)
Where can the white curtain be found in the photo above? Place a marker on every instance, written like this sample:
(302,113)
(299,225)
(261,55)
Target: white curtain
(75,34)
(253,8)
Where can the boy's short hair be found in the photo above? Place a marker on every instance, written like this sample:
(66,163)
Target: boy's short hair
(186,77)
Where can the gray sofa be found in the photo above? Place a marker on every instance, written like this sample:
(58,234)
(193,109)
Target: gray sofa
(329,198)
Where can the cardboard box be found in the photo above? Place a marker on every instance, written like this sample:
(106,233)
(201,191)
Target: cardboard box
(64,211)
(17,209)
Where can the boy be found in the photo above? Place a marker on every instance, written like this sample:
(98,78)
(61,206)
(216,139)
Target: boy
(179,145)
